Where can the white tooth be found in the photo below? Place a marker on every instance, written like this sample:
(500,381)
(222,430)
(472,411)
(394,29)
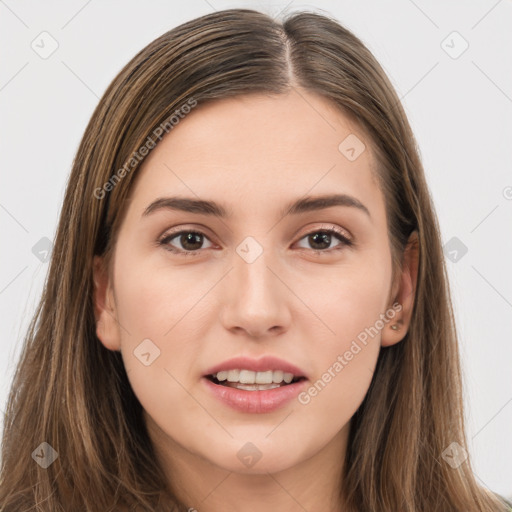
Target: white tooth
(277,376)
(247,377)
(233,375)
(222,375)
(264,377)
(288,377)
(250,377)
(256,387)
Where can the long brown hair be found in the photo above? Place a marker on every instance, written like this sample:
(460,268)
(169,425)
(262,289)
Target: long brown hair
(72,393)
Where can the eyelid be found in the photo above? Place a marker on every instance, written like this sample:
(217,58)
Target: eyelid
(187,228)
(329,226)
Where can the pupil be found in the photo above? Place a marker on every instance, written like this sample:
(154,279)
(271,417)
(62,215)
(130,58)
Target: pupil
(189,239)
(325,238)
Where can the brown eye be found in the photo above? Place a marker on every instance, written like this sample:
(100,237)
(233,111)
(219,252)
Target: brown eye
(189,241)
(320,240)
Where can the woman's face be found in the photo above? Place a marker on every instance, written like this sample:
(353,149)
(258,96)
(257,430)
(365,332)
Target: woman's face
(256,282)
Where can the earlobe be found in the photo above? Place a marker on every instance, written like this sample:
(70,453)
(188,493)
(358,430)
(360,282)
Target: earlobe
(107,329)
(397,328)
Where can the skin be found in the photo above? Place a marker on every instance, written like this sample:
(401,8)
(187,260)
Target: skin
(253,154)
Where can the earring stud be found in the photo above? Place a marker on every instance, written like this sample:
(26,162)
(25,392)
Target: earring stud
(394,327)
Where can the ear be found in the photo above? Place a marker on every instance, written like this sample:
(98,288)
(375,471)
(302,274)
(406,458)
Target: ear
(403,293)
(107,328)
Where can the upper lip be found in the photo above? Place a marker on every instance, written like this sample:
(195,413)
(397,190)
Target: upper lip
(257,365)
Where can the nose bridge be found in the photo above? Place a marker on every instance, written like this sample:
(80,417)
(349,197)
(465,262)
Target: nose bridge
(258,299)
(254,280)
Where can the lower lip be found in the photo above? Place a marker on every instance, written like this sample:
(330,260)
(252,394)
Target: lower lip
(262,401)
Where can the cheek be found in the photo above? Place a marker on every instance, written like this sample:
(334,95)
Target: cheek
(153,300)
(157,311)
(347,340)
(348,302)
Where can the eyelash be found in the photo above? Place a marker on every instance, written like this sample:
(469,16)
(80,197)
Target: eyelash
(345,242)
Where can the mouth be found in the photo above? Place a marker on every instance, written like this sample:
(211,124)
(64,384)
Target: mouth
(248,391)
(248,380)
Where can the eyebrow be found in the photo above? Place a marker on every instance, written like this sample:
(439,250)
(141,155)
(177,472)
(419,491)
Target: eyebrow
(302,205)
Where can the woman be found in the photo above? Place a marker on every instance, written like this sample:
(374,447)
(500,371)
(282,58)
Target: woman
(247,303)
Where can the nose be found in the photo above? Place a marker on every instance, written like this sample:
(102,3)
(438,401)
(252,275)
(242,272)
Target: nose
(256,298)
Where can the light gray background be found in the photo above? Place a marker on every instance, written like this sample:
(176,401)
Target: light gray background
(460,110)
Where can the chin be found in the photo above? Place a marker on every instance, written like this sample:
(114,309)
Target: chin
(257,456)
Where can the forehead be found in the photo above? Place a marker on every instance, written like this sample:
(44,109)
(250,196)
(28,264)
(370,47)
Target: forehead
(257,150)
